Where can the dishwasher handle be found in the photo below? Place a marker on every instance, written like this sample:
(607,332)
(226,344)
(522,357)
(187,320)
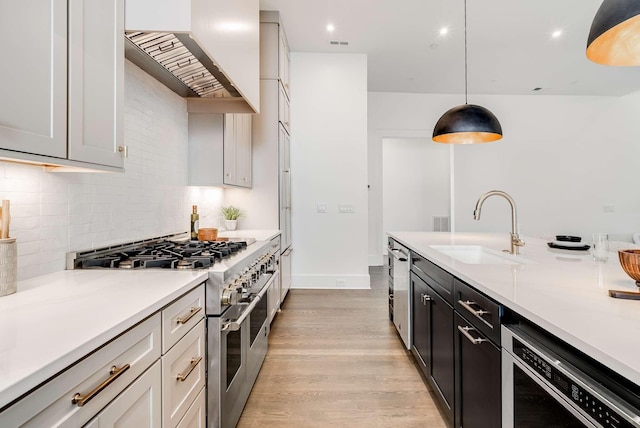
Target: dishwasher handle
(398,254)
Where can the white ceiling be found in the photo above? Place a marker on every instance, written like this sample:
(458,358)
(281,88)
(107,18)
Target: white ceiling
(510,48)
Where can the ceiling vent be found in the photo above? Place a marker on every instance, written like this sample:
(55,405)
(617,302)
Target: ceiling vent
(335,42)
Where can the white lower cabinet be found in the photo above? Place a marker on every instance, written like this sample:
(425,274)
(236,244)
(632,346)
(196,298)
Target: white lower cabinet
(139,406)
(181,316)
(77,394)
(196,416)
(129,381)
(273,296)
(183,375)
(285,272)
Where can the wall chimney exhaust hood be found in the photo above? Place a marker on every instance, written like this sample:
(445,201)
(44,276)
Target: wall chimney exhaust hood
(207,51)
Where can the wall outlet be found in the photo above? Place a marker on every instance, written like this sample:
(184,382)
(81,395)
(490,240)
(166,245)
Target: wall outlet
(346,209)
(341,282)
(322,208)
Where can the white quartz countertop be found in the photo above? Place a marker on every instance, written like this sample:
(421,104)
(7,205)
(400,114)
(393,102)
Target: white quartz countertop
(565,292)
(56,319)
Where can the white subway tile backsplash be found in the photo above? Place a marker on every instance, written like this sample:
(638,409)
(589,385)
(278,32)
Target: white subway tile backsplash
(54,209)
(22,210)
(27,248)
(54,213)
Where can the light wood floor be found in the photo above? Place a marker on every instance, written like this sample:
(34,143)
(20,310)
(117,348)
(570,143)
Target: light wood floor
(335,360)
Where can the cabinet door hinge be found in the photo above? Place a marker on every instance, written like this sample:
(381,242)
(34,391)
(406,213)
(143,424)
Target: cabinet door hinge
(124,151)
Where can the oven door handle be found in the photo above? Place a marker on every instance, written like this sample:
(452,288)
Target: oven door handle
(235,325)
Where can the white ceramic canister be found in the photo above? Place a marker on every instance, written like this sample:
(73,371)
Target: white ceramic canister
(8,266)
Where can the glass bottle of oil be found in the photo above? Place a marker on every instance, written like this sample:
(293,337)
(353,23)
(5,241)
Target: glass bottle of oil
(194,222)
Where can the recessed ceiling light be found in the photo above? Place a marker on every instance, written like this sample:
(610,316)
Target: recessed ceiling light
(330,28)
(444,31)
(556,34)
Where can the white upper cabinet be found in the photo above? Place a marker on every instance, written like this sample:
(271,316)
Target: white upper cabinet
(274,58)
(237,150)
(220,150)
(227,31)
(33,79)
(283,58)
(96,86)
(62,100)
(243,150)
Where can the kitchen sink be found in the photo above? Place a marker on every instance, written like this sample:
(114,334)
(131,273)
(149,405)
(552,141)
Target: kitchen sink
(478,255)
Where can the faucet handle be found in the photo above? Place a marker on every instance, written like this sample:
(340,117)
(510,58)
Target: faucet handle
(516,240)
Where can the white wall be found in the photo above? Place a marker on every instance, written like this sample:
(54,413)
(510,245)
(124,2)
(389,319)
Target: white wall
(562,158)
(329,163)
(415,184)
(53,213)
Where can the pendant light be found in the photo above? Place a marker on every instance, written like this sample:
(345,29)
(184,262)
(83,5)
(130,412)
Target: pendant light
(467,123)
(614,38)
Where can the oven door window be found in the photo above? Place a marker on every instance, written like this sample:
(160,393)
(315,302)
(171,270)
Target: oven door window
(257,318)
(234,354)
(534,407)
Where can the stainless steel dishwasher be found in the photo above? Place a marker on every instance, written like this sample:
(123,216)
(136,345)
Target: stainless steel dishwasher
(400,264)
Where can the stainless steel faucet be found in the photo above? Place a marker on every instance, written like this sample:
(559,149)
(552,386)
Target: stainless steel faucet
(516,242)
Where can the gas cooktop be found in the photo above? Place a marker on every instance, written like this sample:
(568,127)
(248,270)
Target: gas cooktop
(167,252)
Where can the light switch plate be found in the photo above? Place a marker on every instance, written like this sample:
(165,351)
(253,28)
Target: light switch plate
(346,209)
(322,208)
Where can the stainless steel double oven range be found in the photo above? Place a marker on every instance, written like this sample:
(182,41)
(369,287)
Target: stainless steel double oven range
(240,272)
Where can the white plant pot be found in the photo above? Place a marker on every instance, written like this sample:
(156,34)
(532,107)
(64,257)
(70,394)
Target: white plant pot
(230,224)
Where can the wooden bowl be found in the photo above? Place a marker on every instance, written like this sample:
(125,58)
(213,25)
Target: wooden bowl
(207,234)
(630,261)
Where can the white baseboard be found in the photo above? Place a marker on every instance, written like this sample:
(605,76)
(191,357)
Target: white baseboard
(346,282)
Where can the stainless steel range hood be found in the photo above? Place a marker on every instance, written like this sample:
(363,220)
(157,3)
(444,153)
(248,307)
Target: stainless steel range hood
(179,63)
(188,47)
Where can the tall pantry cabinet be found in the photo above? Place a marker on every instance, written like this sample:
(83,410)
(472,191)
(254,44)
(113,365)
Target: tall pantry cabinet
(271,135)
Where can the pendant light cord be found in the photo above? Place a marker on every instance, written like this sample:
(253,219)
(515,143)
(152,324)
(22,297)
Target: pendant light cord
(465,52)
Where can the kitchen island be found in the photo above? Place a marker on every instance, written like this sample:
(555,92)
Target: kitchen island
(564,292)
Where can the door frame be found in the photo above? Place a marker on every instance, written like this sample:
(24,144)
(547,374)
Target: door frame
(377,251)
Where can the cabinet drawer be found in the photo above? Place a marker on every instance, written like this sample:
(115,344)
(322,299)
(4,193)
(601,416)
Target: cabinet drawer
(92,378)
(480,310)
(196,415)
(183,375)
(180,317)
(138,406)
(439,279)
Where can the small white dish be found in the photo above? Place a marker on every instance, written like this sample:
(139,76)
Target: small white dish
(568,244)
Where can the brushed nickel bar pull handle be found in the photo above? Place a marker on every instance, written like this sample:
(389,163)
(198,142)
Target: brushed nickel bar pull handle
(475,340)
(114,373)
(467,305)
(192,313)
(194,364)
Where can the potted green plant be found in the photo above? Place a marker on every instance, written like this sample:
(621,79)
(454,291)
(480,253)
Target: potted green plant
(231,215)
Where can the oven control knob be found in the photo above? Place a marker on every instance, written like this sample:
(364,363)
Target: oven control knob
(230,296)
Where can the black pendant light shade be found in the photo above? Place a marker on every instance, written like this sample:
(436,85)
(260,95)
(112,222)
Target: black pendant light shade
(614,38)
(467,124)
